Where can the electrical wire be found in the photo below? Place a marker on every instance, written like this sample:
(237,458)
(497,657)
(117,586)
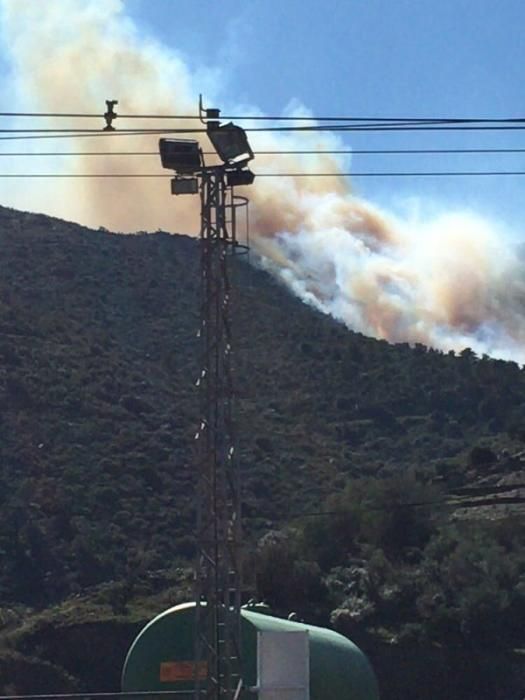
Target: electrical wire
(487,173)
(82,133)
(375,126)
(248,117)
(95,134)
(452,502)
(473,173)
(401,151)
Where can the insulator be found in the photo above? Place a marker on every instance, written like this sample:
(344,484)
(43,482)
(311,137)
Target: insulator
(110,115)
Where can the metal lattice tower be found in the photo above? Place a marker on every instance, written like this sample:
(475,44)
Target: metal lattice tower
(218,582)
(218,572)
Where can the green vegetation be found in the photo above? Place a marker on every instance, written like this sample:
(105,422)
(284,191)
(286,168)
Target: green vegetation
(382,570)
(98,352)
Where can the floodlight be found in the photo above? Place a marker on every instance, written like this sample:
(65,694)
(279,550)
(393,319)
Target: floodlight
(240,177)
(184,185)
(231,143)
(183,156)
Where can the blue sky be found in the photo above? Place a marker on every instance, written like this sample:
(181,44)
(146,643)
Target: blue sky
(414,58)
(368,56)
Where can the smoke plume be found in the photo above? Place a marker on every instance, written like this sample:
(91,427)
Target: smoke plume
(445,281)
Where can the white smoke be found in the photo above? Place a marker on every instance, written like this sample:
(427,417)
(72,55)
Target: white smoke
(448,281)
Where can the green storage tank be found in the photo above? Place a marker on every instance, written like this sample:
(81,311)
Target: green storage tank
(161,657)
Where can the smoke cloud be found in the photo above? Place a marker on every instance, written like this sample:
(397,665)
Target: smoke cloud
(447,281)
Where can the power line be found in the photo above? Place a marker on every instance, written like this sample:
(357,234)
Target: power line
(488,173)
(371,128)
(400,151)
(83,115)
(93,134)
(473,173)
(258,117)
(452,501)
(397,151)
(518,125)
(200,130)
(448,503)
(413,120)
(480,503)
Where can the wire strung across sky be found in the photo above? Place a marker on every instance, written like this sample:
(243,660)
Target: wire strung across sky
(350,151)
(343,124)
(300,123)
(517,125)
(473,173)
(61,134)
(94,134)
(200,130)
(269,129)
(258,117)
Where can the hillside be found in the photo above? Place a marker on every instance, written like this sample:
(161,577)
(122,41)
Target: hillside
(98,409)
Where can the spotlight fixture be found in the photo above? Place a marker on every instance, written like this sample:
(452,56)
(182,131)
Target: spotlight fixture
(231,143)
(239,177)
(182,156)
(184,185)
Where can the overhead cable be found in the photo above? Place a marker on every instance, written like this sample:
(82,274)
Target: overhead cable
(375,126)
(259,117)
(349,151)
(474,173)
(32,134)
(451,501)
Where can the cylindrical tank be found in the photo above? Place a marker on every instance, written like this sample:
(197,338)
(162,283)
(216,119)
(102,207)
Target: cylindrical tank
(161,657)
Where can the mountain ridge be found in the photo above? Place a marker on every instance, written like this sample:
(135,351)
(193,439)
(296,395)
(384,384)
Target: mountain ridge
(98,356)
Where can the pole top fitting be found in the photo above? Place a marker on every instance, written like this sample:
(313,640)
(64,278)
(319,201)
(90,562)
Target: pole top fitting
(212,119)
(110,115)
(209,117)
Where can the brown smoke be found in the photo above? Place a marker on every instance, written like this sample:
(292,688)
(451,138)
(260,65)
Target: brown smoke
(72,55)
(447,282)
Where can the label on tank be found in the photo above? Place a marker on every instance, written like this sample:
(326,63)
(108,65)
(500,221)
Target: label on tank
(173,671)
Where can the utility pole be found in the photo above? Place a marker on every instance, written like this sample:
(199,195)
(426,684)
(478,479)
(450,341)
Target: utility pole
(218,575)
